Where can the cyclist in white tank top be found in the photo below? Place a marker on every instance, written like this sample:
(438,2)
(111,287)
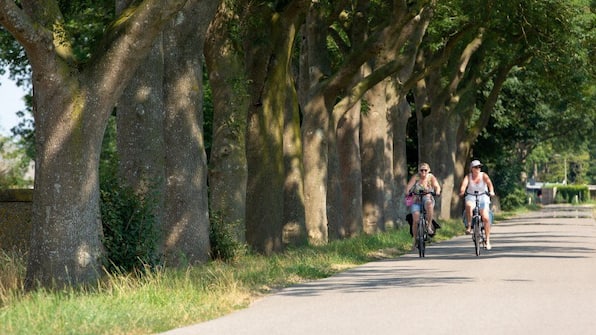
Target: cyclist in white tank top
(479,181)
(481,187)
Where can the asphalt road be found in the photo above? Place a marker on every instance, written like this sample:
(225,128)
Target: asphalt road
(539,278)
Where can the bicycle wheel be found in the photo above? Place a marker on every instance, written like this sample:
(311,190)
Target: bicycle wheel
(477,235)
(420,238)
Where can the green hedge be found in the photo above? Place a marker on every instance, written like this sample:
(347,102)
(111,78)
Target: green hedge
(567,193)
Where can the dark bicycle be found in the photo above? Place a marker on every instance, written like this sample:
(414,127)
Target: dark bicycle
(422,234)
(478,234)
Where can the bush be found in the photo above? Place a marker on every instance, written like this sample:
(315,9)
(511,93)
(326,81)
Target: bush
(514,200)
(225,244)
(567,193)
(130,236)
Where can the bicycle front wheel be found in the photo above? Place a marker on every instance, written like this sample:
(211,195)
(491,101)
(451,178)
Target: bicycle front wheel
(477,237)
(420,238)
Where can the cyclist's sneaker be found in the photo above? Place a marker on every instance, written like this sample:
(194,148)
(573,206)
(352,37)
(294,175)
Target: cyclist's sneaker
(488,246)
(430,228)
(468,231)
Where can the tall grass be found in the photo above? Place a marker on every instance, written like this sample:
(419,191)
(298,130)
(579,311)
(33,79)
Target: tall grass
(165,299)
(12,274)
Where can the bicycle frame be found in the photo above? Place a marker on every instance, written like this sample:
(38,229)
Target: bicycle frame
(478,233)
(422,232)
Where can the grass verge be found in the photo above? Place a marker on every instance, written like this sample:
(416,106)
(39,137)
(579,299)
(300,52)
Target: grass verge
(168,298)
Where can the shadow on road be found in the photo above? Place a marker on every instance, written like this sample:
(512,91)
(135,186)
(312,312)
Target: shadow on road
(534,236)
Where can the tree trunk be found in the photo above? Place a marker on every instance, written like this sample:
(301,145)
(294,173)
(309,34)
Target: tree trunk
(186,222)
(227,161)
(348,148)
(66,235)
(335,210)
(399,117)
(373,142)
(314,131)
(315,126)
(294,228)
(272,92)
(140,118)
(140,139)
(71,106)
(391,203)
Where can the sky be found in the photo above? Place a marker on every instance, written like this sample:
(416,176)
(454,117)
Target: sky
(11,101)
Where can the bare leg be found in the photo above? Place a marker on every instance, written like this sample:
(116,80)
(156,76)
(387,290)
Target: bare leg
(468,216)
(429,216)
(415,218)
(486,221)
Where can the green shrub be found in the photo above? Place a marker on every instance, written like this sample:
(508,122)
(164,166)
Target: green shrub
(130,236)
(514,200)
(129,224)
(567,193)
(225,244)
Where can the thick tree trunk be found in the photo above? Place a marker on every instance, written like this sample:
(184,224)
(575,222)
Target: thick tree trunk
(390,204)
(399,118)
(335,210)
(140,139)
(294,227)
(272,92)
(373,142)
(350,173)
(435,149)
(314,135)
(227,161)
(71,108)
(315,127)
(66,233)
(186,222)
(140,118)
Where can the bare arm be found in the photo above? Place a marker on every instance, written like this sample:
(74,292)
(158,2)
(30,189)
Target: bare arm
(410,184)
(436,186)
(464,185)
(489,184)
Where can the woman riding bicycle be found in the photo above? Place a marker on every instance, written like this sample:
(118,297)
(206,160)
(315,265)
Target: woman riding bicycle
(477,181)
(426,182)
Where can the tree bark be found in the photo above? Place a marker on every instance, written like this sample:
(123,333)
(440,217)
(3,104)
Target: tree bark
(71,107)
(315,126)
(373,141)
(399,118)
(294,226)
(140,134)
(227,161)
(350,172)
(272,92)
(186,221)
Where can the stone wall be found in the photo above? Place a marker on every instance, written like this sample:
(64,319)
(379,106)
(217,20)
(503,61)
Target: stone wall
(15,219)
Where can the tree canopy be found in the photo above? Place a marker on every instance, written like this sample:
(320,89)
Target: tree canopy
(317,95)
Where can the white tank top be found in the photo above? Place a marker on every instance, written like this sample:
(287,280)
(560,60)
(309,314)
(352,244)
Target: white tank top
(479,187)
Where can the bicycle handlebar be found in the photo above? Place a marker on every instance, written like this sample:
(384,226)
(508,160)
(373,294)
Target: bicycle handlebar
(422,193)
(477,194)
